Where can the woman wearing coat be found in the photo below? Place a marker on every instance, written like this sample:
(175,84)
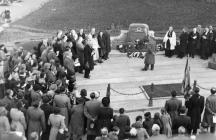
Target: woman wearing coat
(105,115)
(18,118)
(62,101)
(4,122)
(35,119)
(170,42)
(166,122)
(56,120)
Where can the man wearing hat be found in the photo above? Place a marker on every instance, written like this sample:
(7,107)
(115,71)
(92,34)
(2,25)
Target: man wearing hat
(195,107)
(210,110)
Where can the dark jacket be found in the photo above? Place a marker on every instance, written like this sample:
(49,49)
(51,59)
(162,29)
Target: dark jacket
(107,41)
(147,124)
(193,42)
(88,57)
(172,107)
(105,114)
(181,120)
(183,42)
(195,107)
(101,42)
(48,109)
(122,122)
(69,65)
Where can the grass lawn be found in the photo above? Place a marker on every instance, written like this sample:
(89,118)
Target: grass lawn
(158,14)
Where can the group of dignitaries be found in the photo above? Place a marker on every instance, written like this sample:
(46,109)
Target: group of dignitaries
(200,41)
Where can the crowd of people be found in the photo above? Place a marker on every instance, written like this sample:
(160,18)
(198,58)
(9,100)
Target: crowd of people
(50,69)
(39,97)
(57,115)
(200,41)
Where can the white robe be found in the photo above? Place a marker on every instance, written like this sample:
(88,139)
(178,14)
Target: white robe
(95,46)
(172,40)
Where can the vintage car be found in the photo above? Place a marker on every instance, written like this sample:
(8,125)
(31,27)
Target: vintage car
(137,32)
(136,39)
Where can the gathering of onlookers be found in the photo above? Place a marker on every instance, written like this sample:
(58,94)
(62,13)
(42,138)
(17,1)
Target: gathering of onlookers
(39,95)
(38,88)
(200,41)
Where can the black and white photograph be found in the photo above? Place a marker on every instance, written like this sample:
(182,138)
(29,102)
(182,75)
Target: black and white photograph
(107,69)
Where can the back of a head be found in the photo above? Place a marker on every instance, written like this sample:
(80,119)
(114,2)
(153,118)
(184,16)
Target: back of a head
(173,93)
(157,115)
(182,110)
(92,95)
(156,129)
(34,136)
(115,129)
(56,110)
(139,118)
(213,90)
(181,130)
(83,93)
(104,131)
(147,115)
(106,101)
(8,92)
(196,90)
(121,110)
(36,103)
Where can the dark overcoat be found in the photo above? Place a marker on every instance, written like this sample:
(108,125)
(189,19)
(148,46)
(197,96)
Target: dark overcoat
(195,107)
(77,121)
(205,42)
(80,52)
(91,109)
(88,57)
(181,120)
(172,107)
(193,42)
(48,109)
(107,41)
(105,114)
(122,121)
(183,42)
(35,120)
(69,65)
(101,42)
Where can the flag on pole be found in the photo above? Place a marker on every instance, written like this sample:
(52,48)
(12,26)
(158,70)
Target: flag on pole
(186,80)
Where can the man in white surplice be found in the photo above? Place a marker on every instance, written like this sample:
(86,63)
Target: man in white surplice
(170,42)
